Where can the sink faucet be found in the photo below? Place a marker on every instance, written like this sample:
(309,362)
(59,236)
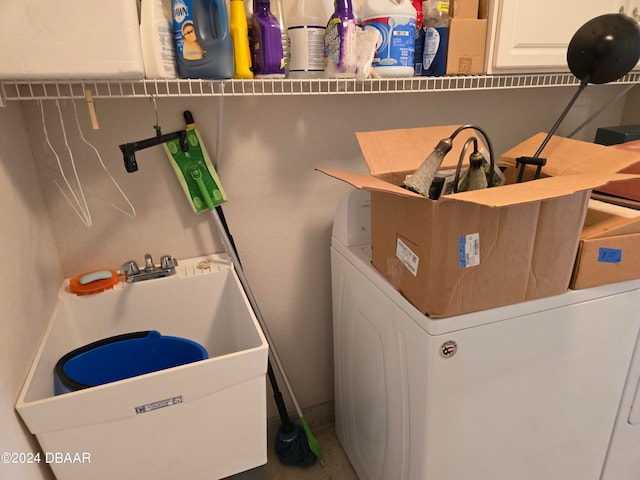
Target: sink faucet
(133,273)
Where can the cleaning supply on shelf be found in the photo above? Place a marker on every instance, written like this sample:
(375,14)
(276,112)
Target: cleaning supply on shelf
(396,22)
(340,42)
(366,44)
(329,7)
(240,36)
(436,20)
(307,22)
(156,36)
(277,9)
(195,171)
(266,42)
(420,34)
(204,48)
(248,11)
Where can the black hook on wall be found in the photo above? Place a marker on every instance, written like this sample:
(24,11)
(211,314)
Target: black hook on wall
(129,149)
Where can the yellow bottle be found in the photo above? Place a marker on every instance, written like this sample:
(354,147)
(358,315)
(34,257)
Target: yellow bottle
(240,36)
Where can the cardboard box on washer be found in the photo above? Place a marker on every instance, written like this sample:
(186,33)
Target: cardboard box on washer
(609,249)
(474,250)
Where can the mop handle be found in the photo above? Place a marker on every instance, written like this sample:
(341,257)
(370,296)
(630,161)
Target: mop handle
(254,304)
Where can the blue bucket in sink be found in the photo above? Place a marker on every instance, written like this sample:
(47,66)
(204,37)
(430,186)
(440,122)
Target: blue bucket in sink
(123,356)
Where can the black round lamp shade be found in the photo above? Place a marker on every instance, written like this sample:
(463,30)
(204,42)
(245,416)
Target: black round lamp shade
(604,49)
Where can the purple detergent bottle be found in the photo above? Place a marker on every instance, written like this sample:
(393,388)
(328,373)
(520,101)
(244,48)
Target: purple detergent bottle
(340,42)
(266,41)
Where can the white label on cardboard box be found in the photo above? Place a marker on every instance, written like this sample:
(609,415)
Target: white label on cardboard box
(469,250)
(407,257)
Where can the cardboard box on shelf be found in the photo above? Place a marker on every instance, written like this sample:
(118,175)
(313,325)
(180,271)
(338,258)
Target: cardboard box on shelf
(483,9)
(463,8)
(467,39)
(609,249)
(473,250)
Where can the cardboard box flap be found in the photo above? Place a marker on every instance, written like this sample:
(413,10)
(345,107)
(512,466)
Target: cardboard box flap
(550,187)
(605,220)
(367,182)
(404,150)
(569,157)
(626,190)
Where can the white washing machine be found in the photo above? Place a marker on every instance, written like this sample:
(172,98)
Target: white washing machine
(623,458)
(528,392)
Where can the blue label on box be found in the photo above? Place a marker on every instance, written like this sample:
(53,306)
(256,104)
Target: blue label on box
(610,255)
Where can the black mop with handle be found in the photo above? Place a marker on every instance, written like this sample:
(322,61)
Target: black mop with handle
(295,445)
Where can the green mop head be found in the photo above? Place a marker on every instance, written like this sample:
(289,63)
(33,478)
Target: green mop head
(195,172)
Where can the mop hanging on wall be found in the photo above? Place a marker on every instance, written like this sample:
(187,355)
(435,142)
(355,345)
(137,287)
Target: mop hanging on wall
(295,445)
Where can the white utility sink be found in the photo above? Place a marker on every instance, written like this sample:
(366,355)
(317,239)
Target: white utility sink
(203,420)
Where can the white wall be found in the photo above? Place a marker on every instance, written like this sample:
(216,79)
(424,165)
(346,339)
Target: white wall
(280,209)
(631,113)
(30,278)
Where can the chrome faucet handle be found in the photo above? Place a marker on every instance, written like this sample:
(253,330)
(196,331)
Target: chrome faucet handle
(130,268)
(167,262)
(148,262)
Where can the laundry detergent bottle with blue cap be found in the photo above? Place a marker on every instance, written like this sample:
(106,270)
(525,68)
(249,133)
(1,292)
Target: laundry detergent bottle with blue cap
(204,48)
(395,20)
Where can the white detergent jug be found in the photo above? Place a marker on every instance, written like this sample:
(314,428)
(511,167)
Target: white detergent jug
(395,20)
(306,25)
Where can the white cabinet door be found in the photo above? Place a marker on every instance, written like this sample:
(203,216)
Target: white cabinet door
(532,35)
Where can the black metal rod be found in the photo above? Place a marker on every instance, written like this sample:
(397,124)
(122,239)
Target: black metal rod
(583,84)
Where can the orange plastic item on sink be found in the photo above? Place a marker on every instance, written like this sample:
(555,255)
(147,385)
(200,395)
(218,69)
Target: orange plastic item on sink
(93,282)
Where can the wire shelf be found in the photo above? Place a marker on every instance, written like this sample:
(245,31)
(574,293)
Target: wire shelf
(77,89)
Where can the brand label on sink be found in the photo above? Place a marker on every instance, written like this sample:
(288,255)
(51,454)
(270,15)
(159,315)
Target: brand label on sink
(167,402)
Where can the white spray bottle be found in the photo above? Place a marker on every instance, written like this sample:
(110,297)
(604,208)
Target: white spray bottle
(156,35)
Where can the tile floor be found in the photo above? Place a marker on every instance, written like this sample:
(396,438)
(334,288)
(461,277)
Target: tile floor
(336,464)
